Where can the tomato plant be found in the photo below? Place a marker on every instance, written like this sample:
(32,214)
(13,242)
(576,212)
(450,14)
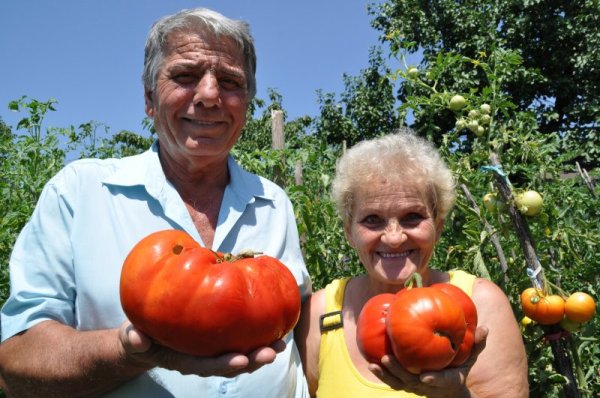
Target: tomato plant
(580,307)
(544,309)
(371,332)
(426,327)
(205,303)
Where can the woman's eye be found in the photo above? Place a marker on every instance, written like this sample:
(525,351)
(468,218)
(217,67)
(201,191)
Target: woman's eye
(412,218)
(371,220)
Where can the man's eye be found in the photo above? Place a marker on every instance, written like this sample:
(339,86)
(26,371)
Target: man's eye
(184,78)
(230,84)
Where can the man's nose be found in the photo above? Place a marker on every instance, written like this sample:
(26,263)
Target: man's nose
(207,91)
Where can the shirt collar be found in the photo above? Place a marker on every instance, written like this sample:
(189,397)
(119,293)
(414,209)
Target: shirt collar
(145,169)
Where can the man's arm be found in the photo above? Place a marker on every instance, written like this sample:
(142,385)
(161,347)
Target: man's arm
(54,360)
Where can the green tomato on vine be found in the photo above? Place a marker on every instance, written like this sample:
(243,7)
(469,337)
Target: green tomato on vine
(412,72)
(457,102)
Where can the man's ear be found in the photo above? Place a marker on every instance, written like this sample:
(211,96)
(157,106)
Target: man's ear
(149,103)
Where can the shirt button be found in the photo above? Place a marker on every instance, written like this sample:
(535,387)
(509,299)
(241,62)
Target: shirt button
(223,388)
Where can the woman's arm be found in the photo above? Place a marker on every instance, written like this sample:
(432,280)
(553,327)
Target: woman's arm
(307,335)
(501,368)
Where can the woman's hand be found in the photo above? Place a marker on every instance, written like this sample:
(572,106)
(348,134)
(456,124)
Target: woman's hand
(140,350)
(450,382)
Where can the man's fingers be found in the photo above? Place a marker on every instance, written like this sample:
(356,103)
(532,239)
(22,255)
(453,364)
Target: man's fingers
(133,341)
(139,346)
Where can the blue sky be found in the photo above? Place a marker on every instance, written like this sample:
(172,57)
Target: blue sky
(88,54)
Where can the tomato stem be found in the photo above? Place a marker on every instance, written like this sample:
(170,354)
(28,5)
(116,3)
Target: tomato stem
(415,278)
(177,249)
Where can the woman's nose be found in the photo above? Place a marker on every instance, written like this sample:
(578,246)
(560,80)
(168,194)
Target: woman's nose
(207,91)
(393,235)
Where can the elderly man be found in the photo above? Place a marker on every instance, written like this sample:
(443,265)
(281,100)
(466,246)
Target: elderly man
(63,330)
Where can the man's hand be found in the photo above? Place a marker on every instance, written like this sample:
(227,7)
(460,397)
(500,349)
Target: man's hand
(140,350)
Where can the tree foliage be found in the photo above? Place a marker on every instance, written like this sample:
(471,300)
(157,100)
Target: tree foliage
(366,108)
(559,79)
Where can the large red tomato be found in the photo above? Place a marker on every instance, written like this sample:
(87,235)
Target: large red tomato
(200,302)
(371,332)
(426,327)
(470,313)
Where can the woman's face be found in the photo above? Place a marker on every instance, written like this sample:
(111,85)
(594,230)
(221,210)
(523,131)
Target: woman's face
(393,231)
(200,101)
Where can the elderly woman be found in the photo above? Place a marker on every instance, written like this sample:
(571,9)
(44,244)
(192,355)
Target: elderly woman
(393,194)
(64,331)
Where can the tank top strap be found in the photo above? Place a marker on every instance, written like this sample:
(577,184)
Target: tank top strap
(334,298)
(462,279)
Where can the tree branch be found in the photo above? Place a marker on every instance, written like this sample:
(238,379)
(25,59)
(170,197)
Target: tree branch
(491,232)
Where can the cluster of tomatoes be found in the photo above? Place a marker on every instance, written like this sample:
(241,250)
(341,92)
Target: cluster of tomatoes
(550,309)
(476,120)
(528,202)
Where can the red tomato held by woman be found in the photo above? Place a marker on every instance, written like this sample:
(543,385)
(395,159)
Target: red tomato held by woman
(371,331)
(204,303)
(426,327)
(470,312)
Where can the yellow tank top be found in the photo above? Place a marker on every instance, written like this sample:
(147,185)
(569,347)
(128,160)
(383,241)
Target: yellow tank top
(337,375)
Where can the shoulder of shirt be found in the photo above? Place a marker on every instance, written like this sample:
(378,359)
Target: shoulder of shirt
(91,170)
(254,184)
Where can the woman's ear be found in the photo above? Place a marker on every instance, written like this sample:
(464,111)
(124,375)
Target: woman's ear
(348,234)
(149,103)
(439,228)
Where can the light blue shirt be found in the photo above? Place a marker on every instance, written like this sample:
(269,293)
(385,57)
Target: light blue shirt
(66,262)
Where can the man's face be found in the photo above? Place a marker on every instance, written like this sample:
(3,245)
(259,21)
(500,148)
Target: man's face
(200,101)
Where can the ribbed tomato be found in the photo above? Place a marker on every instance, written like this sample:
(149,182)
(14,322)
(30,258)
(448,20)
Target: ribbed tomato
(200,302)
(371,332)
(544,309)
(426,327)
(470,313)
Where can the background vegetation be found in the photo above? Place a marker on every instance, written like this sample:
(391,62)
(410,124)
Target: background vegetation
(534,63)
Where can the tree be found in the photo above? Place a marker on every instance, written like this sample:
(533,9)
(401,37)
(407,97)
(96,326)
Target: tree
(366,108)
(558,40)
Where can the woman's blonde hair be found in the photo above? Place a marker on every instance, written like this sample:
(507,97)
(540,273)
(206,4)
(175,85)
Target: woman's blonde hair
(401,157)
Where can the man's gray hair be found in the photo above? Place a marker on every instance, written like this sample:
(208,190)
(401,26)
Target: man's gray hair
(200,20)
